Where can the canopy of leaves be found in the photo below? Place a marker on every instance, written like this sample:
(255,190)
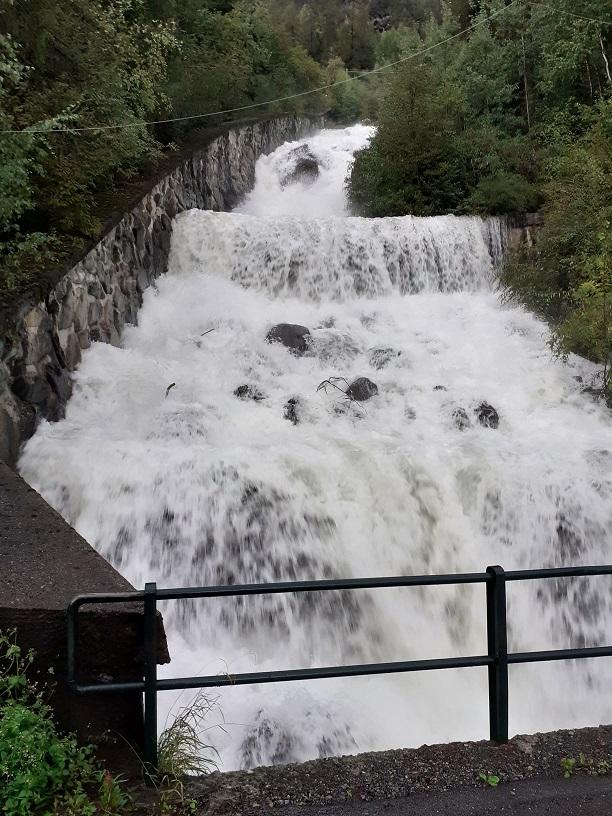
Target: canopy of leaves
(86,63)
(512,116)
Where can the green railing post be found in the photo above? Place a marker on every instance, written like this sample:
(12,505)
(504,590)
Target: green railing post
(497,638)
(150,679)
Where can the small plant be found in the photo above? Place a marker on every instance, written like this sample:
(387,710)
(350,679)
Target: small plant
(182,752)
(568,764)
(491,780)
(113,798)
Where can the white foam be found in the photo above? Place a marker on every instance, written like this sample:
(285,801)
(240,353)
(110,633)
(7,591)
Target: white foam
(200,487)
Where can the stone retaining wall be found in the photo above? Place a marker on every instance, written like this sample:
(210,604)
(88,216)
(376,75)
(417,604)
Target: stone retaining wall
(96,298)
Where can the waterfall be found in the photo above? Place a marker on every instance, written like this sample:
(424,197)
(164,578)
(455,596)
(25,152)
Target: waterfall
(196,486)
(340,258)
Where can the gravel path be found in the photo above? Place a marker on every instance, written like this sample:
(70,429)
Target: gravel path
(580,796)
(354,781)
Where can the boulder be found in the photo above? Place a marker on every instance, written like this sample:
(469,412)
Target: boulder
(381,357)
(306,167)
(291,409)
(362,389)
(249,392)
(294,337)
(487,415)
(306,170)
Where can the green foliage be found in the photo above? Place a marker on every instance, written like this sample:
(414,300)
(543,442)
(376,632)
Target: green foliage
(503,193)
(514,117)
(489,779)
(83,64)
(43,773)
(181,748)
(567,275)
(349,101)
(469,125)
(413,164)
(586,765)
(567,765)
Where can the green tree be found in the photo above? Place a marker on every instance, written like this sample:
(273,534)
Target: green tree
(567,276)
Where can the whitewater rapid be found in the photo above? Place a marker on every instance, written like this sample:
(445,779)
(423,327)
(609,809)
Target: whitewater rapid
(194,486)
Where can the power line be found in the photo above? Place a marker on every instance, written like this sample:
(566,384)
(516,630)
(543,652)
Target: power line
(242,108)
(570,13)
(255,105)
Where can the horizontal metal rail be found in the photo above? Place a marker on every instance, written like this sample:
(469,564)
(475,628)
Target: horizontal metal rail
(496,660)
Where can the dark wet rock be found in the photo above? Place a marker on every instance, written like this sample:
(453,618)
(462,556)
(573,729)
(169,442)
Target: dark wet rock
(305,169)
(594,392)
(440,388)
(461,419)
(487,415)
(291,410)
(362,389)
(293,336)
(381,357)
(249,392)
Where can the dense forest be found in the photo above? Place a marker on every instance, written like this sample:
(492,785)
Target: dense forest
(512,117)
(496,107)
(84,63)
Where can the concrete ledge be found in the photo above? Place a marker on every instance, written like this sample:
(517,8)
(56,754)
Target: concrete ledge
(45,563)
(396,774)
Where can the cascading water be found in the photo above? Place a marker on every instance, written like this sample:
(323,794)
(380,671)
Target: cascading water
(195,486)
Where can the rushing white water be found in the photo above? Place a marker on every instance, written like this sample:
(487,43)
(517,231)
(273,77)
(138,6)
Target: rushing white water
(200,487)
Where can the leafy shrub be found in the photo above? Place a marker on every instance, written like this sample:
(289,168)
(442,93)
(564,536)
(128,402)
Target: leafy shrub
(567,275)
(502,194)
(43,773)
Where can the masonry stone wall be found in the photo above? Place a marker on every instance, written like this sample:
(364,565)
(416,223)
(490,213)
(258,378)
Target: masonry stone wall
(95,299)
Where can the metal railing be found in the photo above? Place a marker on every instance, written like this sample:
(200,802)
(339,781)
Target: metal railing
(496,660)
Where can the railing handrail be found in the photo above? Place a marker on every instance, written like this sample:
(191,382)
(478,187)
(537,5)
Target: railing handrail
(496,660)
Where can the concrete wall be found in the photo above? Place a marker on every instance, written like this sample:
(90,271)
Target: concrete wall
(44,564)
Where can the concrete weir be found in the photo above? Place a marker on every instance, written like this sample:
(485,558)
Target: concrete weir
(44,562)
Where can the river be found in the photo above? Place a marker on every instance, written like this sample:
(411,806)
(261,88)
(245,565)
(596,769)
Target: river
(191,485)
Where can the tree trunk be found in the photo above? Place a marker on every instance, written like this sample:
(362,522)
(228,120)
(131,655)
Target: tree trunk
(603,52)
